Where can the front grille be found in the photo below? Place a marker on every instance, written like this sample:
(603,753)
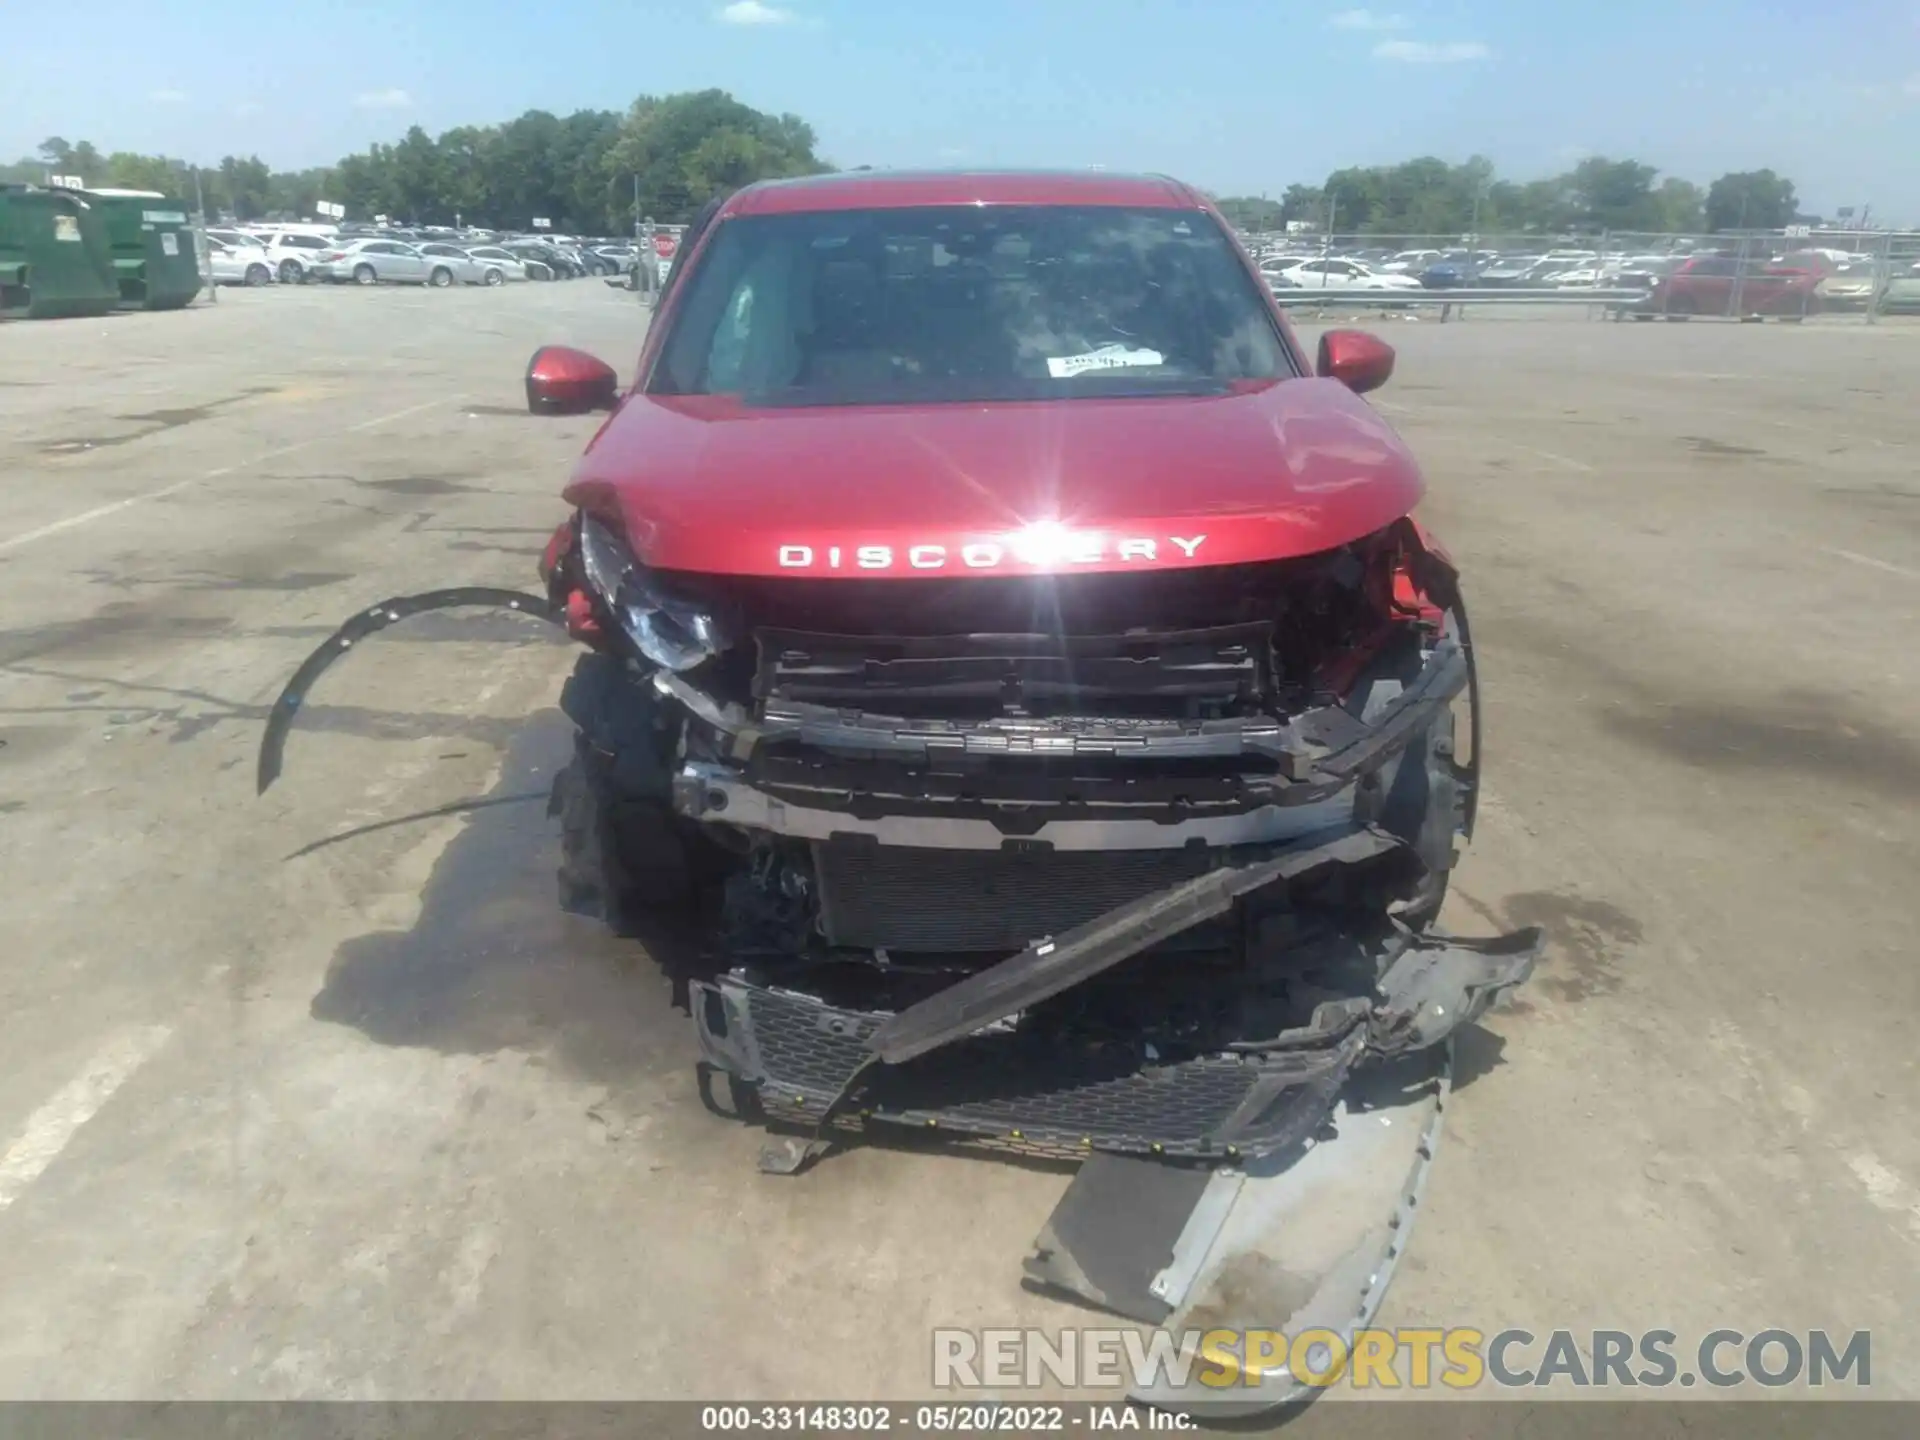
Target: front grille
(1171,674)
(890,897)
(1019,1090)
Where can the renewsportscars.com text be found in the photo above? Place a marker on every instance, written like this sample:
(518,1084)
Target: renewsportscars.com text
(1416,1358)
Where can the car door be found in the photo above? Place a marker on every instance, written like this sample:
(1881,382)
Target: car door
(1707,284)
(409,265)
(377,255)
(301,249)
(454,258)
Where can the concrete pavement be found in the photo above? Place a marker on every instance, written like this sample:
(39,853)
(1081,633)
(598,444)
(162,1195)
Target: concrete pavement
(319,1095)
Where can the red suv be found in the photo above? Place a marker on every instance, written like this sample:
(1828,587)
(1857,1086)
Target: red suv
(1017,653)
(1016,657)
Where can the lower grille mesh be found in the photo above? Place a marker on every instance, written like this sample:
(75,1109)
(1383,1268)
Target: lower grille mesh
(1017,1091)
(977,900)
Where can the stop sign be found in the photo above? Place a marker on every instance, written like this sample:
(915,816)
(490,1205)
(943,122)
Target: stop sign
(664,246)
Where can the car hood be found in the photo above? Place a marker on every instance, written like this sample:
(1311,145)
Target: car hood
(1276,469)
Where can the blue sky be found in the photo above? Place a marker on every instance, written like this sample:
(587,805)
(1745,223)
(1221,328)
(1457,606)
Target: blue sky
(1240,96)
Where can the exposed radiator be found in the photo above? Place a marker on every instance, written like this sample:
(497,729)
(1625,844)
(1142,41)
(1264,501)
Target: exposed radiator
(889,897)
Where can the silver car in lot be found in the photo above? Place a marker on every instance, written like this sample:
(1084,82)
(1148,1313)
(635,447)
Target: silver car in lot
(478,264)
(372,262)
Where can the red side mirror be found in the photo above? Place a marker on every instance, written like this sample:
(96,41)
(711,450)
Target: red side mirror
(565,381)
(1359,361)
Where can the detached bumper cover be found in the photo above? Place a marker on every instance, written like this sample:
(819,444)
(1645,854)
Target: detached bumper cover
(998,1082)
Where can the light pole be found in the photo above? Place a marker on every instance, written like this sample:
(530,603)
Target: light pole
(202,257)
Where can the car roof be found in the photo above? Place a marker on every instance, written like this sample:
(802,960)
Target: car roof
(887,189)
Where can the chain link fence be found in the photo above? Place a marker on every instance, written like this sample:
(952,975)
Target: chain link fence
(1793,274)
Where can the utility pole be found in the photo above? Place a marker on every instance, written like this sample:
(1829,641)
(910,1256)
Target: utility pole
(202,254)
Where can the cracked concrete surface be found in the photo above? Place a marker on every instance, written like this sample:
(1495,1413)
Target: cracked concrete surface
(319,1095)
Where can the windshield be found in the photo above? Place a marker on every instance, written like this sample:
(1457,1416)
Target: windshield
(968,303)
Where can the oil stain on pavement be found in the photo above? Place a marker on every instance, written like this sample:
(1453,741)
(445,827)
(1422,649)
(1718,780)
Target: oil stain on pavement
(1585,937)
(1787,734)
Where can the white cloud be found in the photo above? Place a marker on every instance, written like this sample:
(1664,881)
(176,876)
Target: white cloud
(167,97)
(382,100)
(1430,52)
(246,108)
(1912,86)
(754,12)
(1367,20)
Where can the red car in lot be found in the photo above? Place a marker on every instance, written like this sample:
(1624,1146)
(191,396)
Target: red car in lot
(1015,652)
(1727,285)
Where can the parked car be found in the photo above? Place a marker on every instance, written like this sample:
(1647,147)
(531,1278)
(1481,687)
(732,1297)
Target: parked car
(1409,262)
(237,264)
(564,262)
(1716,285)
(292,253)
(1582,277)
(495,262)
(534,252)
(1902,293)
(470,267)
(1848,285)
(1643,272)
(1043,716)
(1456,272)
(1342,274)
(1507,271)
(591,260)
(369,262)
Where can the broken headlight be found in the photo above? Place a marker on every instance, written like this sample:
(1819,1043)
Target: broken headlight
(673,635)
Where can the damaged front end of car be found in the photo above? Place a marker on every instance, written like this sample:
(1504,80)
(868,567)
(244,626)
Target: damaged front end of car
(1139,869)
(1136,868)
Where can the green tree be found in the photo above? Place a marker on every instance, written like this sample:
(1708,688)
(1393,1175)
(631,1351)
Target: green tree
(1251,214)
(64,159)
(1354,198)
(1612,195)
(1681,206)
(687,148)
(292,195)
(1302,203)
(1751,200)
(127,171)
(246,187)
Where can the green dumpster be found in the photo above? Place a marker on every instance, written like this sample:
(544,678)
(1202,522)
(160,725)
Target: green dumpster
(154,259)
(54,258)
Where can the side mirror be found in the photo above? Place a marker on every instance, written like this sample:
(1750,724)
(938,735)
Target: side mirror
(565,381)
(1359,361)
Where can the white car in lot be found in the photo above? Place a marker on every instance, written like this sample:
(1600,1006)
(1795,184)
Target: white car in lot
(292,253)
(1334,273)
(231,264)
(1409,262)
